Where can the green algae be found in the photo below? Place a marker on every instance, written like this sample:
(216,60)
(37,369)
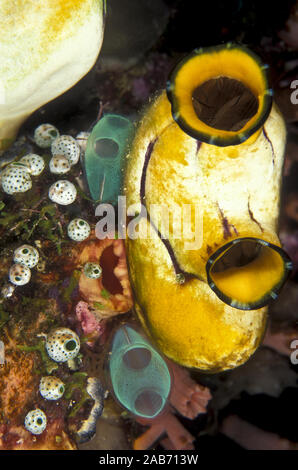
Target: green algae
(29,307)
(48,365)
(25,222)
(105,294)
(73,282)
(7,219)
(5,143)
(4,317)
(84,195)
(24,311)
(98,305)
(48,210)
(79,382)
(49,225)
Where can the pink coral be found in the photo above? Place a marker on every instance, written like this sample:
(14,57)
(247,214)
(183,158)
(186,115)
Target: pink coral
(290,33)
(90,324)
(280,341)
(188,398)
(178,437)
(290,244)
(252,437)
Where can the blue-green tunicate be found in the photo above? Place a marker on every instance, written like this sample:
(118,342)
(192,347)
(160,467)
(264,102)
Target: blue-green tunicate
(140,377)
(105,155)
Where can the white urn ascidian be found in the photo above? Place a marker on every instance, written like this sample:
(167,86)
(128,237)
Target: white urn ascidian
(45,134)
(26,255)
(19,274)
(51,388)
(63,192)
(78,230)
(35,163)
(15,179)
(36,421)
(68,146)
(59,165)
(92,270)
(62,344)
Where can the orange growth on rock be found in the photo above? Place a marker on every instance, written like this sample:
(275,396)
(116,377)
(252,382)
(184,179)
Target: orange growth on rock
(16,388)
